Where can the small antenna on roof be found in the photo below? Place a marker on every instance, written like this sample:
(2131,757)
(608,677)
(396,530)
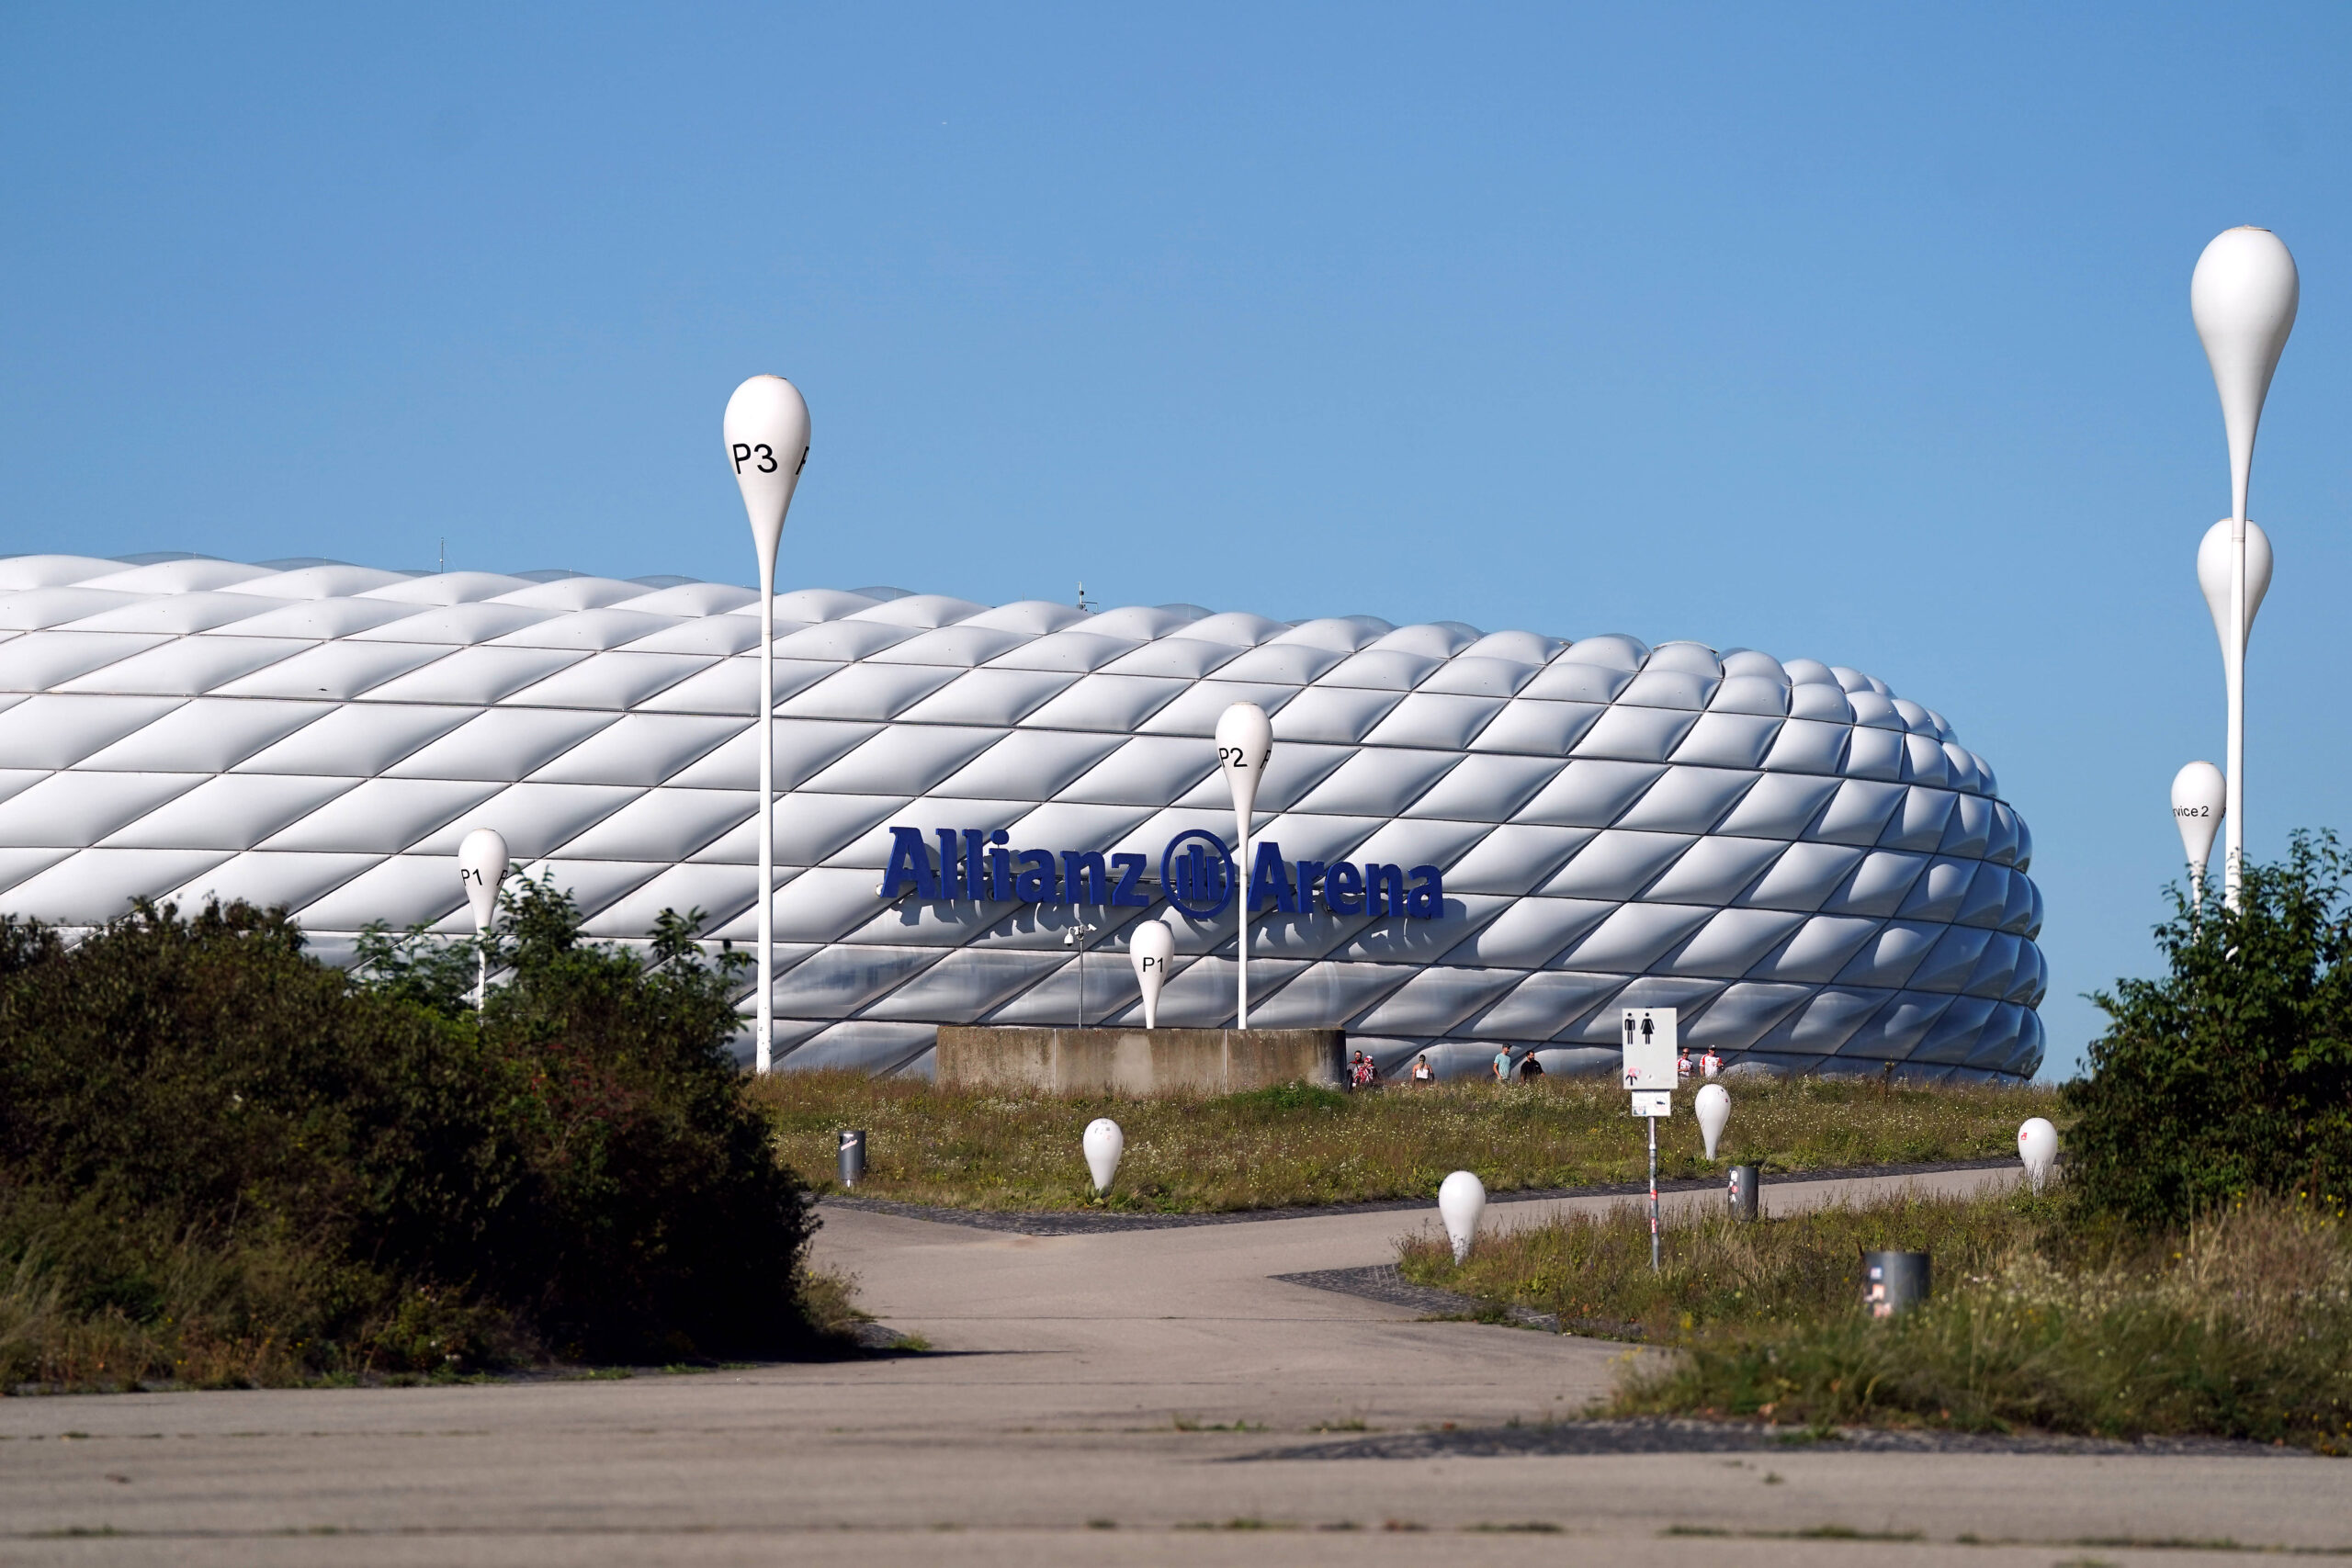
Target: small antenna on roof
(1082,602)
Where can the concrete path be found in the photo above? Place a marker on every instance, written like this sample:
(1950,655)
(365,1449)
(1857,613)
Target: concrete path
(1071,1413)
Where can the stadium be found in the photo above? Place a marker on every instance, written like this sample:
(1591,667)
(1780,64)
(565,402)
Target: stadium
(1811,868)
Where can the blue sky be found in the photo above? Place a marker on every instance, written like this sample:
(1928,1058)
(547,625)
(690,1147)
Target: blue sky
(1857,334)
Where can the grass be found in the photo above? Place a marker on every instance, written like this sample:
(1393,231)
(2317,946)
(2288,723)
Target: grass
(2238,1327)
(1298,1145)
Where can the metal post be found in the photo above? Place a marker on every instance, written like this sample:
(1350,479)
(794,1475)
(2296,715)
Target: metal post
(1653,1125)
(1241,952)
(2233,812)
(764,1057)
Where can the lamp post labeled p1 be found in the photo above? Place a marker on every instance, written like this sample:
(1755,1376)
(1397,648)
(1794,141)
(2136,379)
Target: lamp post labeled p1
(2242,297)
(1245,740)
(766,432)
(481,868)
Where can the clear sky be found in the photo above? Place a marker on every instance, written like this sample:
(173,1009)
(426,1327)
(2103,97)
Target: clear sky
(1856,335)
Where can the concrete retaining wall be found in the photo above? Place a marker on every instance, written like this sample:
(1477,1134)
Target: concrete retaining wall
(1137,1061)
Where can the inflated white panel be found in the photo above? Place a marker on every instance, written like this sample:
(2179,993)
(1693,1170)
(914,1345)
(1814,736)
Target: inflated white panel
(227,811)
(1116,704)
(1475,677)
(1486,789)
(36,662)
(1732,942)
(184,667)
(1714,871)
(1380,669)
(614,682)
(1287,663)
(1431,719)
(1633,937)
(1380,783)
(337,670)
(1514,858)
(903,760)
(205,735)
(1811,889)
(48,731)
(67,810)
(1818,950)
(506,744)
(1332,714)
(89,887)
(354,742)
(1033,764)
(1803,877)
(1531,932)
(1196,709)
(381,815)
(1617,865)
(1686,800)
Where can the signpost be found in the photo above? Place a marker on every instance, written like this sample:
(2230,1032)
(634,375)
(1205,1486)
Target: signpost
(1653,1041)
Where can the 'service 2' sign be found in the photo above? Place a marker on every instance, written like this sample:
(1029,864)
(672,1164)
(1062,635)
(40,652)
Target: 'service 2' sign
(1196,871)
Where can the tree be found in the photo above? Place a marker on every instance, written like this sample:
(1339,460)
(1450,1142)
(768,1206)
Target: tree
(2233,1074)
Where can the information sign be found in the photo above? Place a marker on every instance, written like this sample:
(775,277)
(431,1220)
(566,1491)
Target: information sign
(1652,1042)
(1653,1102)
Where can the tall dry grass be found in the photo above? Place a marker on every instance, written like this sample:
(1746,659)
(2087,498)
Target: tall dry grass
(1296,1145)
(2239,1326)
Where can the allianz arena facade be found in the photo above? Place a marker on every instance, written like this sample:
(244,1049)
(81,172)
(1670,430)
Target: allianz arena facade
(1811,868)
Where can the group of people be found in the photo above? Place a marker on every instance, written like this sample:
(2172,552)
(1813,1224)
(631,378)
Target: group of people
(1364,1073)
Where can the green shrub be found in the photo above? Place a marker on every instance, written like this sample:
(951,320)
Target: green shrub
(223,1160)
(2233,1074)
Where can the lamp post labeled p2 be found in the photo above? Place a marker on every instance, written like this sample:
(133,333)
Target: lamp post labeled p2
(1245,740)
(1652,1040)
(2242,297)
(766,432)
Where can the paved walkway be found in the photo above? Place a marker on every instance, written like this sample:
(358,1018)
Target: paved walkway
(1079,1407)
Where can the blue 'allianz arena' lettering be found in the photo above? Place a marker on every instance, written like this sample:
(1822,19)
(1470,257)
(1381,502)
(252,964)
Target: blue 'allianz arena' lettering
(1196,875)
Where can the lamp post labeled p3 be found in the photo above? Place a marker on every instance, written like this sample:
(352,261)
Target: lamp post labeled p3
(766,432)
(2242,297)
(1245,740)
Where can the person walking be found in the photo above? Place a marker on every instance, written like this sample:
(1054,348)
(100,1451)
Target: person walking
(1422,1072)
(1501,1065)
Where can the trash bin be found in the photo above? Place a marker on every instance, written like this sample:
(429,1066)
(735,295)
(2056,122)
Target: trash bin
(1894,1282)
(1747,1191)
(852,1158)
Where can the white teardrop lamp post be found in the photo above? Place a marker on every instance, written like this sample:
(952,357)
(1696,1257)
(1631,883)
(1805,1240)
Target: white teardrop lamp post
(2242,297)
(1149,947)
(1712,1106)
(1461,1198)
(481,868)
(2199,797)
(766,432)
(1103,1144)
(2038,1148)
(1244,740)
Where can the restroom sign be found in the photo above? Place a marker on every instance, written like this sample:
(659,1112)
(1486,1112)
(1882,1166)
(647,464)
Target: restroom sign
(1652,1041)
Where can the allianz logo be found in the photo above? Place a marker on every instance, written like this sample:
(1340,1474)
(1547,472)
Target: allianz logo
(1196,871)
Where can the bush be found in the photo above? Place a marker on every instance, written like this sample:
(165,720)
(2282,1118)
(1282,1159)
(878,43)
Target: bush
(2233,1074)
(223,1160)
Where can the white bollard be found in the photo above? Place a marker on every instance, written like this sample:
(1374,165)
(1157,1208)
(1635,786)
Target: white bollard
(1103,1144)
(1461,1198)
(2037,1146)
(1713,1105)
